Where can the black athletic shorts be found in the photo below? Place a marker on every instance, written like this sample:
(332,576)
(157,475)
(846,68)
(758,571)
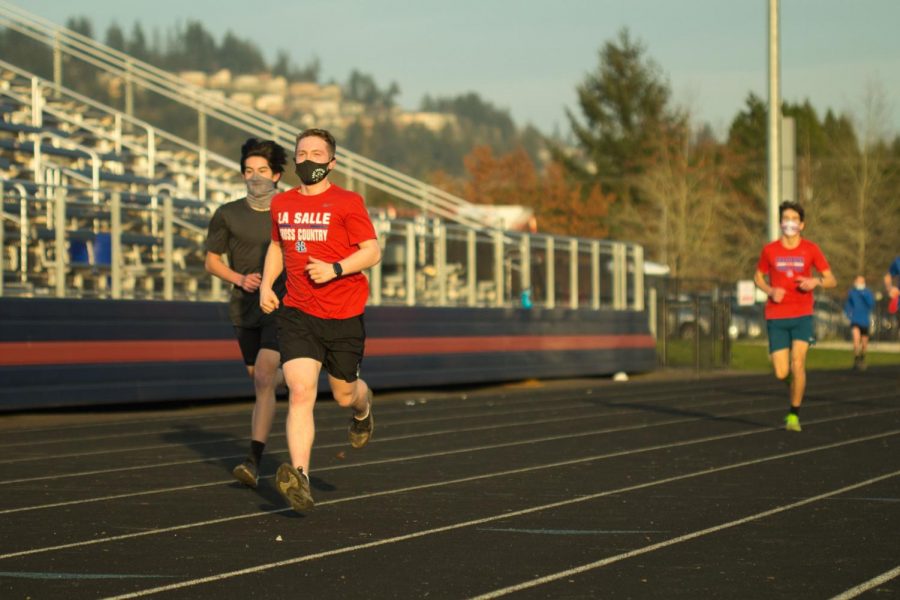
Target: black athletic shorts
(252,339)
(336,343)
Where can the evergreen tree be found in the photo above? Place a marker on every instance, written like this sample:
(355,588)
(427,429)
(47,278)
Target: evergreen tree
(137,44)
(625,106)
(193,48)
(115,37)
(240,56)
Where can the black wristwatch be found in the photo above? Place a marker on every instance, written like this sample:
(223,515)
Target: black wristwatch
(338,269)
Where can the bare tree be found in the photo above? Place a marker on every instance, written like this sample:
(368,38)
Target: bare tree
(684,217)
(858,208)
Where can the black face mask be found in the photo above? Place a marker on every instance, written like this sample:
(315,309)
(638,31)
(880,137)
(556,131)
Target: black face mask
(311,172)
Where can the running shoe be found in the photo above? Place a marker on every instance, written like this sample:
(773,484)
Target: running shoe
(247,473)
(293,484)
(361,429)
(792,422)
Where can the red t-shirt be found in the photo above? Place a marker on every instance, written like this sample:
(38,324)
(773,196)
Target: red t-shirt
(328,226)
(784,266)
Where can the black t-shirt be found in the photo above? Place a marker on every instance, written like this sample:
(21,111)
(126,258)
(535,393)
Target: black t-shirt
(243,234)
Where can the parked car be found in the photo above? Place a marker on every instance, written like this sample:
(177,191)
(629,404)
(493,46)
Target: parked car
(747,322)
(684,319)
(829,319)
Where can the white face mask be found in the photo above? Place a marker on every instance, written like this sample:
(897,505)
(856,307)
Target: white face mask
(859,286)
(790,228)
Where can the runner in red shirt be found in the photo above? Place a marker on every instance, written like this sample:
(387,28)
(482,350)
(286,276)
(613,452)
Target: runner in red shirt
(323,237)
(788,264)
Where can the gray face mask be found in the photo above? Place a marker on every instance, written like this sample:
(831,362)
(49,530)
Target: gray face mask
(260,191)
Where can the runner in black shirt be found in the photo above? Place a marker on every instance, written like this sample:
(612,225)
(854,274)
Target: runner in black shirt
(241,230)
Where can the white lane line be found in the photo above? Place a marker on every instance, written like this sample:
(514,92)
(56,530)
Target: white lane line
(758,384)
(257,514)
(572,531)
(507,515)
(381,440)
(319,429)
(549,405)
(113,423)
(389,409)
(409,457)
(479,397)
(868,585)
(677,540)
(456,402)
(435,454)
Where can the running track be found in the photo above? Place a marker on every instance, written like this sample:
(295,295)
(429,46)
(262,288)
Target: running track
(570,489)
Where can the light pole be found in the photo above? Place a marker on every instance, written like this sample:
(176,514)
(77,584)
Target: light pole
(774,133)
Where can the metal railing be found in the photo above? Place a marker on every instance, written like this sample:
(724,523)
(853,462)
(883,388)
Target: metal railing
(157,143)
(56,241)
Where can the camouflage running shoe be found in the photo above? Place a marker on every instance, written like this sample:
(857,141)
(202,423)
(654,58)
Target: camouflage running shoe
(361,429)
(247,473)
(293,484)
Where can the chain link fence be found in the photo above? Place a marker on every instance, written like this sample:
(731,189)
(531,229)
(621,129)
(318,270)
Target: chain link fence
(697,321)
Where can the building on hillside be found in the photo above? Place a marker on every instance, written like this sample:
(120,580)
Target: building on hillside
(306,103)
(433,121)
(508,217)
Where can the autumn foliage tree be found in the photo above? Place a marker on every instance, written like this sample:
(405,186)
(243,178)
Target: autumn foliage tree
(561,204)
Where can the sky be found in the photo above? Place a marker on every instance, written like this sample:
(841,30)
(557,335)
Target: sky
(528,56)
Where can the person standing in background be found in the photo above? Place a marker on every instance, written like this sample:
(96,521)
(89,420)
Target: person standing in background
(892,289)
(858,307)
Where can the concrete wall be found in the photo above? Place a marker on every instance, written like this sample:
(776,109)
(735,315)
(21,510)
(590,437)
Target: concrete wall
(56,353)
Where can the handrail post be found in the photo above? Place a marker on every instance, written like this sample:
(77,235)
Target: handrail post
(595,274)
(37,105)
(23,232)
(115,235)
(168,248)
(525,262)
(201,128)
(375,272)
(38,159)
(95,177)
(440,260)
(410,264)
(57,67)
(619,277)
(499,287)
(129,89)
(573,273)
(151,153)
(638,257)
(117,133)
(59,240)
(202,175)
(550,300)
(471,268)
